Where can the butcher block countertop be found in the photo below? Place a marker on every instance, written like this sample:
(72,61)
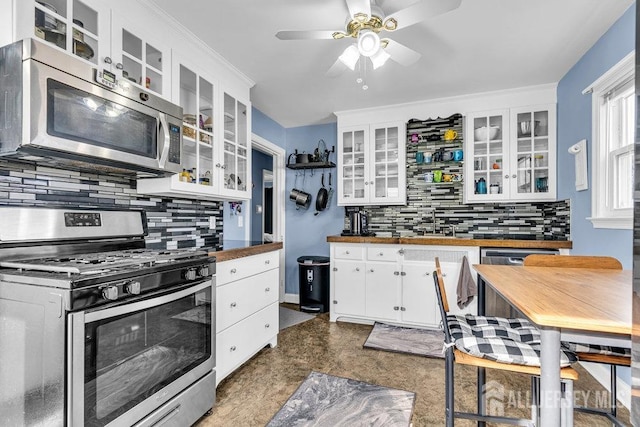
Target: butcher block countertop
(239,249)
(455,241)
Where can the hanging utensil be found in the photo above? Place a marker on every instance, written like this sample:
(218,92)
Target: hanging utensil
(321,198)
(330,196)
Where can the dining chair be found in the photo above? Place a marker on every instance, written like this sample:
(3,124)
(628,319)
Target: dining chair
(612,356)
(496,343)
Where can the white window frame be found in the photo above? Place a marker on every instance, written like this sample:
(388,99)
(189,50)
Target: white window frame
(602,194)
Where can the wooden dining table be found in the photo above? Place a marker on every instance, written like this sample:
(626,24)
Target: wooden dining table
(567,304)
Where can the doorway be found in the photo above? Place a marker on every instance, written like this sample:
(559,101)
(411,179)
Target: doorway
(269,189)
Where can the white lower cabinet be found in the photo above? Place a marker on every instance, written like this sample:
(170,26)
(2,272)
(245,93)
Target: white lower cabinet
(247,311)
(394,283)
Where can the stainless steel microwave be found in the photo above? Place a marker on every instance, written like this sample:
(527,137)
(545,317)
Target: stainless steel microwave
(60,111)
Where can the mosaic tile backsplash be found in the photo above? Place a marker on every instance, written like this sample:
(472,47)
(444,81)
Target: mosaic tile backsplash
(172,223)
(443,202)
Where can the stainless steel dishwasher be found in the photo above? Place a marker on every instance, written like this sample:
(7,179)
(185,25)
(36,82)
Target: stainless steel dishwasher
(494,304)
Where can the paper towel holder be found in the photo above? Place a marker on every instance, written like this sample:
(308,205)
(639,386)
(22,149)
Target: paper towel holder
(579,150)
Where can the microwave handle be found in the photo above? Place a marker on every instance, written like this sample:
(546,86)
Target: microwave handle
(166,141)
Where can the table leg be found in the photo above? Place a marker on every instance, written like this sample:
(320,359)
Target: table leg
(550,393)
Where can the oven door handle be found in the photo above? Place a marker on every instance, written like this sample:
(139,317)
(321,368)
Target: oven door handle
(92,316)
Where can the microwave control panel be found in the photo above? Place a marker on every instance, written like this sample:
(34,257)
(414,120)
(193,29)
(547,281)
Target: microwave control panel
(174,144)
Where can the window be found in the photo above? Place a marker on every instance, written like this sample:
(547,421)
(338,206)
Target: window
(614,107)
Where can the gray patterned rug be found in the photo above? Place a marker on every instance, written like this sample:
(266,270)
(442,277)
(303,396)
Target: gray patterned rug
(324,400)
(290,317)
(423,342)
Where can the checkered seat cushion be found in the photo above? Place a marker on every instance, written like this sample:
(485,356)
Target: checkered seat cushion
(513,341)
(596,349)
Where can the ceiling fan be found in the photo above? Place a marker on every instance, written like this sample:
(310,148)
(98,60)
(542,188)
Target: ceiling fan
(365,22)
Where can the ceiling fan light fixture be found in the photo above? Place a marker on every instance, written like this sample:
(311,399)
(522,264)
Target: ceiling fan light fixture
(379,58)
(368,43)
(350,57)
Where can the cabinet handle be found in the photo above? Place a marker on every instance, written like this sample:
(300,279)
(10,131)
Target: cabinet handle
(357,268)
(403,273)
(267,262)
(107,60)
(233,305)
(119,66)
(267,289)
(396,273)
(335,268)
(403,309)
(233,271)
(396,308)
(267,326)
(514,176)
(233,348)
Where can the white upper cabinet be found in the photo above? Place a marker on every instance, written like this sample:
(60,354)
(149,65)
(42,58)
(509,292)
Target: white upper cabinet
(216,144)
(103,37)
(511,155)
(371,164)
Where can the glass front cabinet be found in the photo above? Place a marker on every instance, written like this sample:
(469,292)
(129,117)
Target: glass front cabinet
(216,145)
(511,155)
(371,165)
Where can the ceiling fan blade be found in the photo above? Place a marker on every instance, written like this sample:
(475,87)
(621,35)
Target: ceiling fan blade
(336,69)
(401,54)
(306,35)
(422,10)
(359,6)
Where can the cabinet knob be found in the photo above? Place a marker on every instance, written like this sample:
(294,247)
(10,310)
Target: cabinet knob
(267,262)
(347,252)
(396,273)
(233,348)
(233,271)
(233,305)
(366,183)
(119,66)
(396,308)
(267,326)
(403,309)
(335,302)
(506,176)
(335,268)
(223,166)
(371,182)
(381,254)
(217,165)
(357,268)
(107,60)
(401,251)
(371,271)
(267,289)
(403,273)
(514,176)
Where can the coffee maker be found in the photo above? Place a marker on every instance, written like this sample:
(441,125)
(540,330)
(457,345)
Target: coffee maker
(356,222)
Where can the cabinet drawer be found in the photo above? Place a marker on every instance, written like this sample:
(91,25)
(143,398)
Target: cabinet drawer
(237,344)
(382,254)
(241,298)
(236,269)
(348,252)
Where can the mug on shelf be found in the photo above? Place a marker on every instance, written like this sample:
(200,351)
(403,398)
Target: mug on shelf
(428,177)
(428,157)
(437,176)
(447,177)
(450,135)
(458,155)
(419,157)
(447,156)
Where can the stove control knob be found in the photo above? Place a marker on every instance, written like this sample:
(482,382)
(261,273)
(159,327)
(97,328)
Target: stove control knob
(132,288)
(203,271)
(190,274)
(110,293)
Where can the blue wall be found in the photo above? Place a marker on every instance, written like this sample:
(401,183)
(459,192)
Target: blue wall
(574,124)
(305,232)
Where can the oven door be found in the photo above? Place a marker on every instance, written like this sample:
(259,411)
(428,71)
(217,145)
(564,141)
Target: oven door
(125,361)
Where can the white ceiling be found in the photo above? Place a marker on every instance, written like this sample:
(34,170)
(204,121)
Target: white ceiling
(484,45)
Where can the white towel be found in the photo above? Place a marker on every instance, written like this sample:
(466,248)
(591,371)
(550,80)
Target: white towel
(467,288)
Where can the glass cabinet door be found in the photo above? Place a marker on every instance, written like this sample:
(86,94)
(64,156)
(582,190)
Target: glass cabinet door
(489,176)
(386,182)
(236,151)
(196,99)
(72,26)
(531,152)
(352,171)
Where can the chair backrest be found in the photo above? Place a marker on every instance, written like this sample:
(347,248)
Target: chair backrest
(572,261)
(442,299)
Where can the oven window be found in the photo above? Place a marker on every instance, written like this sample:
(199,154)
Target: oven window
(130,357)
(84,117)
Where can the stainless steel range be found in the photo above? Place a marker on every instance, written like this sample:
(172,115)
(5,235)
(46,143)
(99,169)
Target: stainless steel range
(97,330)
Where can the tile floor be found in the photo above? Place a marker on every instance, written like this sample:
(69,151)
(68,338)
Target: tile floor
(254,393)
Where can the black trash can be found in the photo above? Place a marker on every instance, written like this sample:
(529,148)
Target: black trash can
(314,283)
